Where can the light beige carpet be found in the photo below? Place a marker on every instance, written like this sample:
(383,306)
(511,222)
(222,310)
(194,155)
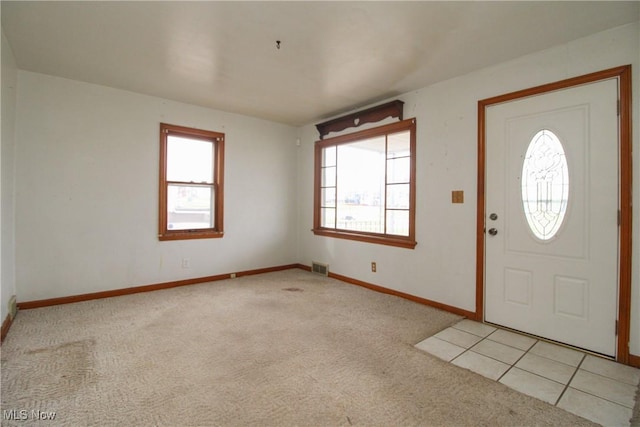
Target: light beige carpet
(279,349)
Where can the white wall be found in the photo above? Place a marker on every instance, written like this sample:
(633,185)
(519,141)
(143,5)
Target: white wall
(7,224)
(442,267)
(87,191)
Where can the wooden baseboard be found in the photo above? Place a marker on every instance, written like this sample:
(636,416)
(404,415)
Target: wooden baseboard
(6,324)
(26,305)
(5,327)
(424,301)
(267,270)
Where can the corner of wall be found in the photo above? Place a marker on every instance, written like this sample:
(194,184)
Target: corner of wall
(8,95)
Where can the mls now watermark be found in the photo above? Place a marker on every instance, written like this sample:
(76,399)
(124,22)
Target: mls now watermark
(27,415)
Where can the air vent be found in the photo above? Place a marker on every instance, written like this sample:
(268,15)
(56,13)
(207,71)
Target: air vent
(320,268)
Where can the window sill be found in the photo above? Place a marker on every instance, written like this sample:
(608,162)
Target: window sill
(398,241)
(185,235)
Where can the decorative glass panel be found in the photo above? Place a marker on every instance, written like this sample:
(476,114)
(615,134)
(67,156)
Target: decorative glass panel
(545,184)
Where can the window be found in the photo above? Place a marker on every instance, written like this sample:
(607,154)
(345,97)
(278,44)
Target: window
(545,184)
(191,177)
(365,185)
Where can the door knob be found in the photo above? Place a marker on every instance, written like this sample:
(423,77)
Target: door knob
(493,217)
(493,231)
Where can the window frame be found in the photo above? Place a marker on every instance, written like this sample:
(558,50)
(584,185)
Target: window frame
(217,139)
(409,241)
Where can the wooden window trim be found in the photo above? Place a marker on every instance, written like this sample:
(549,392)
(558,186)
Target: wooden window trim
(362,236)
(217,139)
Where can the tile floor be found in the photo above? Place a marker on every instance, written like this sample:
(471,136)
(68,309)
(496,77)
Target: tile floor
(594,388)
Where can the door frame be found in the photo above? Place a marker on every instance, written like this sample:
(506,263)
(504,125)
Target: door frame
(623,74)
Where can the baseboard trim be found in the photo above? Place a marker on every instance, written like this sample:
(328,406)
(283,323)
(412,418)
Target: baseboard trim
(267,270)
(5,327)
(634,360)
(26,305)
(424,301)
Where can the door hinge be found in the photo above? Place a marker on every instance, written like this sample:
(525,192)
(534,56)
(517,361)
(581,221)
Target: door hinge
(616,328)
(619,217)
(618,107)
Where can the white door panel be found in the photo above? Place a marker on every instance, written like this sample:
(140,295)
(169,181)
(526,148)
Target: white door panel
(564,287)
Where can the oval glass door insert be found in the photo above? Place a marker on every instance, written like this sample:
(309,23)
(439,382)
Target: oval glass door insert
(545,184)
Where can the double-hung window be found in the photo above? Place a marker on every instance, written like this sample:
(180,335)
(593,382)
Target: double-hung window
(191,183)
(365,185)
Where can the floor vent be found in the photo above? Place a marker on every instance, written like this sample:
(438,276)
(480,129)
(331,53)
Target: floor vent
(320,268)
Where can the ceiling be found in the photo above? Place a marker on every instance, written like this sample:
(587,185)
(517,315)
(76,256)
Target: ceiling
(333,56)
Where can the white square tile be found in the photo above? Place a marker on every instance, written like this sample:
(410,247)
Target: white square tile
(606,388)
(595,409)
(439,348)
(558,353)
(458,337)
(475,328)
(482,365)
(610,369)
(498,351)
(512,339)
(533,385)
(547,368)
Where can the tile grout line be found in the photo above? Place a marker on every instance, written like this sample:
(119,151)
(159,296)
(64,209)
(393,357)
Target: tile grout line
(584,356)
(600,397)
(520,358)
(466,349)
(527,351)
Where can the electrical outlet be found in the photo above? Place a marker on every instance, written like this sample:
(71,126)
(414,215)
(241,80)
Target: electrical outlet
(186,263)
(373,267)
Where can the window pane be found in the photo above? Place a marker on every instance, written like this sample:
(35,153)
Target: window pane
(398,223)
(189,207)
(328,197)
(328,177)
(189,160)
(398,145)
(328,217)
(329,156)
(361,185)
(398,196)
(361,218)
(398,170)
(363,181)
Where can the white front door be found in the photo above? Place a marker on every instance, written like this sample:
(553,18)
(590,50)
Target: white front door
(551,203)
